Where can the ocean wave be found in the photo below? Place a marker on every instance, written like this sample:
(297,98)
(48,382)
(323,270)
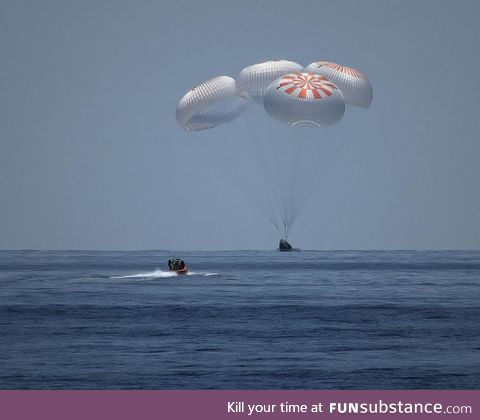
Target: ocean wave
(160,274)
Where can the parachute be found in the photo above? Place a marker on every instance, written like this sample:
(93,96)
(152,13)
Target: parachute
(255,79)
(289,160)
(355,86)
(210,104)
(304,99)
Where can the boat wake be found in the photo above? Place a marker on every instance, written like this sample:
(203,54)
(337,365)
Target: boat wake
(159,274)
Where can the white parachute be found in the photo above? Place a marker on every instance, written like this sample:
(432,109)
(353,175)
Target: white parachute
(210,104)
(285,163)
(255,79)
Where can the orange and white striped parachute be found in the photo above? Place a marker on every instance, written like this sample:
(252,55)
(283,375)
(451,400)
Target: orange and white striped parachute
(304,99)
(355,86)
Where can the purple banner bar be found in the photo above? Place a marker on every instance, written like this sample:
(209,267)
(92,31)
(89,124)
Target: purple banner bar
(238,405)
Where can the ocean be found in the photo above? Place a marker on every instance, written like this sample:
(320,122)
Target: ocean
(240,320)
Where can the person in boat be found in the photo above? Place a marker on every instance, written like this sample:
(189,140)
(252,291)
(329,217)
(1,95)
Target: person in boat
(175,264)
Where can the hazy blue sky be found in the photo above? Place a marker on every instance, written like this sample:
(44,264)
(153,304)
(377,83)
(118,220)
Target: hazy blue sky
(91,155)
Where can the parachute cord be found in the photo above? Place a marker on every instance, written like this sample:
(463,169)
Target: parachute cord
(294,188)
(299,195)
(235,178)
(260,157)
(281,163)
(249,197)
(286,231)
(274,145)
(303,201)
(262,162)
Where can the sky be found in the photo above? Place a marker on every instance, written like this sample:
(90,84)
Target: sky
(91,156)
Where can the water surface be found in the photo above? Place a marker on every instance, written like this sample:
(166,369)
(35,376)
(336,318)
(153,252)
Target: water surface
(240,320)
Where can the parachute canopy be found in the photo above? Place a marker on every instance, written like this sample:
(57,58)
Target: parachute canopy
(355,86)
(210,104)
(304,99)
(255,79)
